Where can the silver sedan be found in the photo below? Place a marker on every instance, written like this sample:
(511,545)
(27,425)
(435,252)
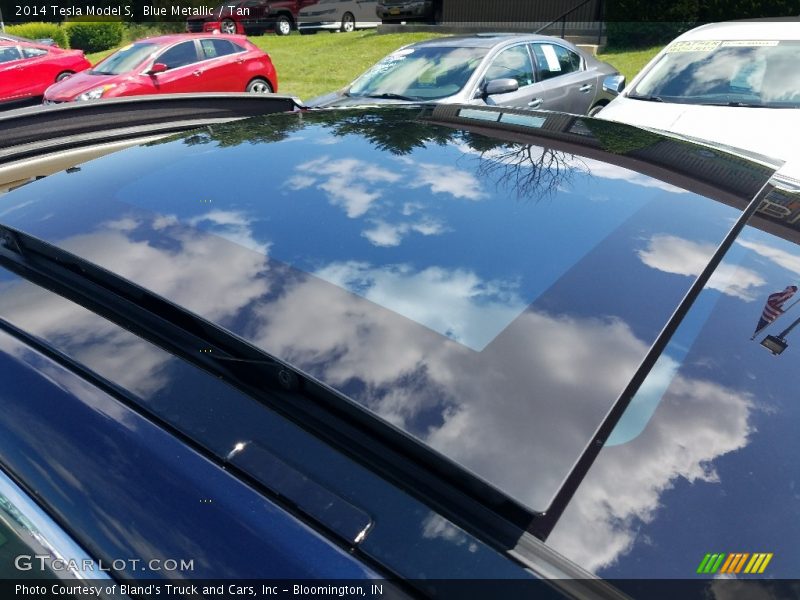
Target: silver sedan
(527,71)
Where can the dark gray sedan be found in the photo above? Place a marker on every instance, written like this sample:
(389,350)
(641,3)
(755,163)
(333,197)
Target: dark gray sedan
(526,71)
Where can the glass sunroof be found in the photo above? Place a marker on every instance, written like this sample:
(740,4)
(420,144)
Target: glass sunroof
(491,298)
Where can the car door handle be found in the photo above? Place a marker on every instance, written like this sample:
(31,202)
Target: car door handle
(585,87)
(535,103)
(197,73)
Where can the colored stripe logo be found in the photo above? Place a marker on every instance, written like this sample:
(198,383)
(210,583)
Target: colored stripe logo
(735,562)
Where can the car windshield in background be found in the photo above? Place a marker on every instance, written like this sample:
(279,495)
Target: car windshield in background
(422,73)
(737,73)
(124,60)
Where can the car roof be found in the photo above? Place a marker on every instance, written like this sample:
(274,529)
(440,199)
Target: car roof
(178,37)
(488,40)
(746,30)
(28,44)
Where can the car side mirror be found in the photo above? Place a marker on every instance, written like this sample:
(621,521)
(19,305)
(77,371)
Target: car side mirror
(157,68)
(614,84)
(500,86)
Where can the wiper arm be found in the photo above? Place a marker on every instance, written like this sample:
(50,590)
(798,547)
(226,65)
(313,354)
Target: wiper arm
(391,96)
(648,98)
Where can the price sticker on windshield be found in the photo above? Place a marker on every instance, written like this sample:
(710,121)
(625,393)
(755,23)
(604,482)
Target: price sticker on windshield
(694,46)
(750,43)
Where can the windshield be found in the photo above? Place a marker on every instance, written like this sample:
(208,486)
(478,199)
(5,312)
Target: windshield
(125,60)
(748,73)
(424,73)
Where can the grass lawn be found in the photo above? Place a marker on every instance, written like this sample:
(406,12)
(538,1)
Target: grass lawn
(311,65)
(629,62)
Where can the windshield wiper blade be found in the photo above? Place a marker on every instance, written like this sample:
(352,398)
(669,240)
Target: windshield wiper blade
(738,103)
(648,98)
(392,96)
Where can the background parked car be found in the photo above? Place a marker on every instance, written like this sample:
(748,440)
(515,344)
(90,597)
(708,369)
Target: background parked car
(527,71)
(28,69)
(735,83)
(173,64)
(251,17)
(395,11)
(337,15)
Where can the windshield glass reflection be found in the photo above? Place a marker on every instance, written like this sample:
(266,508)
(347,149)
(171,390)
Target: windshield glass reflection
(751,73)
(420,73)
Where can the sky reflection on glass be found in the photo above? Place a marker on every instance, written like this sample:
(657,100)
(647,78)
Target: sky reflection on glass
(710,437)
(489,298)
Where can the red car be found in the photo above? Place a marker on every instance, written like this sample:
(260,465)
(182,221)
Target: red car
(173,64)
(27,69)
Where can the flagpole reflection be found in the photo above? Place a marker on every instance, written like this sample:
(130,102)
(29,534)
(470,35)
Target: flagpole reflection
(773,309)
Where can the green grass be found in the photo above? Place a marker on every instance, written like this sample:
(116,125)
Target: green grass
(629,62)
(311,65)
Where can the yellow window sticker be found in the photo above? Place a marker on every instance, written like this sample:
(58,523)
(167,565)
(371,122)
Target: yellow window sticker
(694,46)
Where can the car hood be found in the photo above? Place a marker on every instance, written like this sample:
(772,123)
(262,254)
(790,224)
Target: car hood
(491,296)
(77,84)
(751,129)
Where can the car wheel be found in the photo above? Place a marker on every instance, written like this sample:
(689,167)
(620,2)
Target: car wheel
(348,23)
(283,26)
(64,75)
(259,86)
(596,109)
(228,26)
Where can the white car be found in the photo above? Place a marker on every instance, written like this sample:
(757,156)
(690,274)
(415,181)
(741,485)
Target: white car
(735,83)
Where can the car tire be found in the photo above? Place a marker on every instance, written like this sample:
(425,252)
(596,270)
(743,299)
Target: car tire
(259,85)
(348,23)
(63,75)
(283,26)
(596,109)
(227,26)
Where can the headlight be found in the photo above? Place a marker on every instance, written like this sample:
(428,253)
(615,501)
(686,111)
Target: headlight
(96,93)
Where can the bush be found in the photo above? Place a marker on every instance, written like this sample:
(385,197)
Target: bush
(626,35)
(137,31)
(641,23)
(36,31)
(94,36)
